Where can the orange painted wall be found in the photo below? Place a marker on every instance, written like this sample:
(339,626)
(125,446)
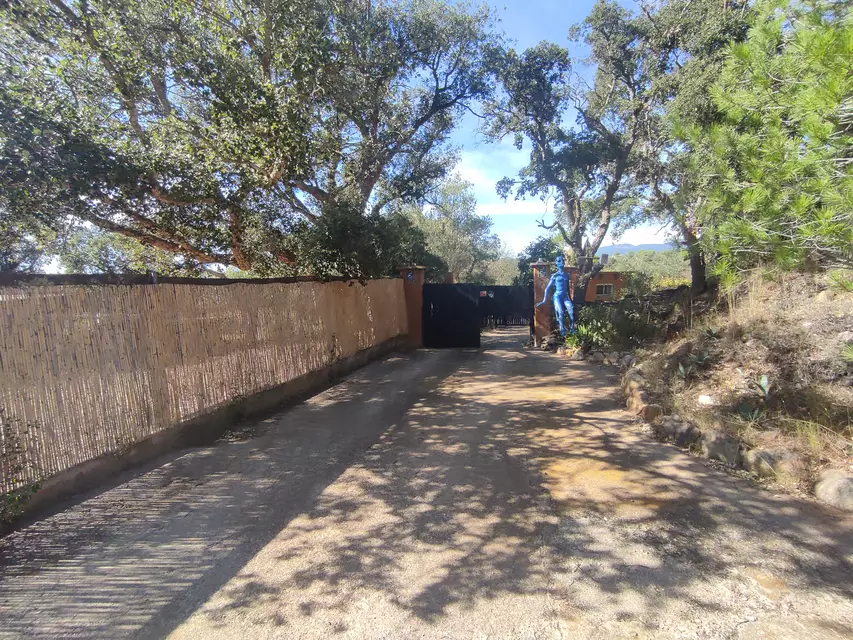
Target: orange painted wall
(602,277)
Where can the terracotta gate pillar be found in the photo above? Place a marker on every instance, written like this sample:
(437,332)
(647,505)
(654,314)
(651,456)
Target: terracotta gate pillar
(542,316)
(413,286)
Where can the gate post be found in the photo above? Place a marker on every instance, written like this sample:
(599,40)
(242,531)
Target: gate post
(413,287)
(543,315)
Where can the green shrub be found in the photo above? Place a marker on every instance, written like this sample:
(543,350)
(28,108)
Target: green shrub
(15,460)
(595,330)
(841,280)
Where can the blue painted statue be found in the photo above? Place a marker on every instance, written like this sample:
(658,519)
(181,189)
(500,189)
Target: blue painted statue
(562,302)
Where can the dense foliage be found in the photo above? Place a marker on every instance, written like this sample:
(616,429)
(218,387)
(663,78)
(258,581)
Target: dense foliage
(647,271)
(585,167)
(455,233)
(544,248)
(779,166)
(225,132)
(312,136)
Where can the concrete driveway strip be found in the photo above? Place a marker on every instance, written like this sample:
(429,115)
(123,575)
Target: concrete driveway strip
(497,493)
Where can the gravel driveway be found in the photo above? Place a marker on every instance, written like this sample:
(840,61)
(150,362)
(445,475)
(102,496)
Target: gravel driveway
(493,493)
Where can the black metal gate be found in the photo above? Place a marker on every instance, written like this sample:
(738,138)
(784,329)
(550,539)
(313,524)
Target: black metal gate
(502,306)
(451,315)
(454,313)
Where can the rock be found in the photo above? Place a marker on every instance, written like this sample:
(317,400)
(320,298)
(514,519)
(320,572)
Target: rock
(686,433)
(633,379)
(785,466)
(578,355)
(685,348)
(627,361)
(649,412)
(718,445)
(682,434)
(835,487)
(638,399)
(706,401)
(664,428)
(597,356)
(634,385)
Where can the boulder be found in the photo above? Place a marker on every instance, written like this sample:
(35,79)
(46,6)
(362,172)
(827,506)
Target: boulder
(637,400)
(684,349)
(686,433)
(785,466)
(835,487)
(627,361)
(633,386)
(650,412)
(597,356)
(682,434)
(718,445)
(632,380)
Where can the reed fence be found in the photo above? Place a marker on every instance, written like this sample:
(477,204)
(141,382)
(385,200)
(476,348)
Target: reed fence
(89,370)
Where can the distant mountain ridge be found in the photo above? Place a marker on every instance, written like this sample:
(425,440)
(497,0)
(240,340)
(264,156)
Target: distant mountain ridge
(614,249)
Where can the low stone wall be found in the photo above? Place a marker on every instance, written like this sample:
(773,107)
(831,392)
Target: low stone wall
(834,486)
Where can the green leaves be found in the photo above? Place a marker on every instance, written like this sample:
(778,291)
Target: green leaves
(455,233)
(777,166)
(216,130)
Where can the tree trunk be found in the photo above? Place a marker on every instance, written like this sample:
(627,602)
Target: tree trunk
(582,284)
(698,282)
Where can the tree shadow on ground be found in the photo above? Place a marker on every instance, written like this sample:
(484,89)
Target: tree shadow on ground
(480,481)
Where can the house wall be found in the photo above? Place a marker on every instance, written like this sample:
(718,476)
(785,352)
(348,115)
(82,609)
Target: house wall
(614,278)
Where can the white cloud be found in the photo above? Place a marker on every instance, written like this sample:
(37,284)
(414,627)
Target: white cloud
(517,240)
(484,167)
(534,208)
(645,234)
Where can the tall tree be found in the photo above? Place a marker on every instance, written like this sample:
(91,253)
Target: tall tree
(456,233)
(90,250)
(587,168)
(26,244)
(691,37)
(225,131)
(543,248)
(779,167)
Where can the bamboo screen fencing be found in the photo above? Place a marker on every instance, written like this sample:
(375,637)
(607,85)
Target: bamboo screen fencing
(89,370)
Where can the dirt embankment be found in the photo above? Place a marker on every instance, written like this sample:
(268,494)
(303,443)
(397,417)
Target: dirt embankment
(760,379)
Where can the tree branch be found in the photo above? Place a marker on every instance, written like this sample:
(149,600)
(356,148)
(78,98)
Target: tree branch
(154,241)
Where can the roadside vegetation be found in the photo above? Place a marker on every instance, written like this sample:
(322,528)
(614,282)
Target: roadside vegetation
(313,137)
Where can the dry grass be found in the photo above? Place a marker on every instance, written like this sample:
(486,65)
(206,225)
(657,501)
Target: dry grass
(793,329)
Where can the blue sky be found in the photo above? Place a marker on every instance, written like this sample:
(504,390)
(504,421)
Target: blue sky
(526,23)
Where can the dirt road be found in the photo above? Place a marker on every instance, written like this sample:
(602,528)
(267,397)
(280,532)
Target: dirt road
(497,493)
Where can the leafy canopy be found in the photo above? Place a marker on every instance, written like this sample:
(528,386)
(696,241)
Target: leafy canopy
(455,233)
(222,132)
(778,166)
(586,166)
